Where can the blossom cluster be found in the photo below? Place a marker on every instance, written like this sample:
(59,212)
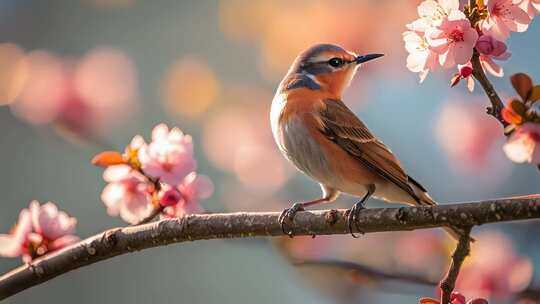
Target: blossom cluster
(148,178)
(40,229)
(446,36)
(159,175)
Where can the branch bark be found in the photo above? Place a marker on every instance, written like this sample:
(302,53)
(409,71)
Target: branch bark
(120,241)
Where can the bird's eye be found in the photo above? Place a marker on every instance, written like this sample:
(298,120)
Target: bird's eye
(335,62)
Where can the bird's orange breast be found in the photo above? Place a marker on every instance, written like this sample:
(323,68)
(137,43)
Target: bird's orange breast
(318,156)
(302,100)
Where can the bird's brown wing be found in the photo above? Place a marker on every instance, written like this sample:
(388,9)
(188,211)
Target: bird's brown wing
(340,125)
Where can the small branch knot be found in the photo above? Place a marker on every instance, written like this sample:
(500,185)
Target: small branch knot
(402,215)
(331,217)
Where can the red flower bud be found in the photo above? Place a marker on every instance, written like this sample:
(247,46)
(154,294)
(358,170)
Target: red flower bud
(457,298)
(169,197)
(465,71)
(478,301)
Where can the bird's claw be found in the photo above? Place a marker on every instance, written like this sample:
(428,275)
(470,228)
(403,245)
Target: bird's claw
(288,215)
(353,218)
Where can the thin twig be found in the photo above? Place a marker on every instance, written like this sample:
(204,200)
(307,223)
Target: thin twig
(120,241)
(496,103)
(463,249)
(531,292)
(365,270)
(155,212)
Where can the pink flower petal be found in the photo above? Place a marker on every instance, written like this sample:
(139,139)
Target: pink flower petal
(462,53)
(112,196)
(63,242)
(49,222)
(9,246)
(169,156)
(137,208)
(160,132)
(116,173)
(446,59)
(520,147)
(200,185)
(489,65)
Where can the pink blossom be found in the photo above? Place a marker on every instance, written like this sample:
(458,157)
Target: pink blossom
(532,7)
(454,39)
(169,156)
(127,194)
(421,57)
(51,223)
(39,230)
(434,12)
(471,145)
(490,49)
(505,16)
(524,144)
(495,270)
(13,244)
(192,189)
(86,96)
(488,45)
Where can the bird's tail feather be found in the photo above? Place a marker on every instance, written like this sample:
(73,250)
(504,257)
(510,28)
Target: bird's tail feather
(426,200)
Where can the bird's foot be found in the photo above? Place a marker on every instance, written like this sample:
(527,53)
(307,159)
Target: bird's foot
(288,216)
(353,218)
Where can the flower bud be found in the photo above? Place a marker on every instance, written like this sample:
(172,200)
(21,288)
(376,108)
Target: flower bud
(478,301)
(490,46)
(169,196)
(465,71)
(457,298)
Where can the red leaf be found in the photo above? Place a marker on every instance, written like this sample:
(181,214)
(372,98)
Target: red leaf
(534,93)
(510,116)
(522,83)
(428,301)
(108,158)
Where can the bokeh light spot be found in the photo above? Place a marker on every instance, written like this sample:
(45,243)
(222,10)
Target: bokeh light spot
(13,72)
(190,87)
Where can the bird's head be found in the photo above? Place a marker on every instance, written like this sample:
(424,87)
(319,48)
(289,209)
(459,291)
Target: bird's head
(328,66)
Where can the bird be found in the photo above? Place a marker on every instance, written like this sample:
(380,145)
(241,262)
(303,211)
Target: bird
(324,139)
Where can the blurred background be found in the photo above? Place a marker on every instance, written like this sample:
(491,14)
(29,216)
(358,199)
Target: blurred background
(81,76)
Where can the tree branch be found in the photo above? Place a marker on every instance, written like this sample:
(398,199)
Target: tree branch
(496,103)
(120,241)
(531,292)
(462,251)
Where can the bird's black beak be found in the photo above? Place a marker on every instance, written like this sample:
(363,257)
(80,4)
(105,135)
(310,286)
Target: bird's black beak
(366,58)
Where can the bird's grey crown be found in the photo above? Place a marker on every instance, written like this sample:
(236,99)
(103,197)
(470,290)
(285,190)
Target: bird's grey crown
(304,64)
(317,49)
